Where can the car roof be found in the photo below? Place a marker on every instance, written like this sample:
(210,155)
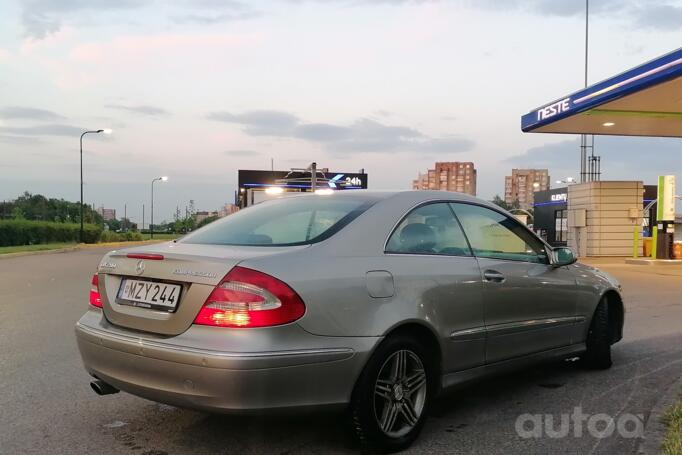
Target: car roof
(411,195)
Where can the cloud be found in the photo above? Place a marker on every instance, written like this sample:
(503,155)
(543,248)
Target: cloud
(43,130)
(211,19)
(19,140)
(452,144)
(37,25)
(549,7)
(562,8)
(574,8)
(135,50)
(370,2)
(241,153)
(650,14)
(216,12)
(621,157)
(662,17)
(44,17)
(363,135)
(260,122)
(28,113)
(322,132)
(141,109)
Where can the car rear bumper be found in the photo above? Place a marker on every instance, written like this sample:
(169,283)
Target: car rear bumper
(300,370)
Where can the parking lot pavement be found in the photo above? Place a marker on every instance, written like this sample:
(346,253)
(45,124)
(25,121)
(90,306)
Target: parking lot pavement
(47,406)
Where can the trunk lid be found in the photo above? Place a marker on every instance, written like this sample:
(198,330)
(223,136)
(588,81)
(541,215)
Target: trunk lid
(195,268)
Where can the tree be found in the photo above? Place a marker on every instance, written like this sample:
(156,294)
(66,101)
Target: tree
(128,225)
(17,214)
(497,200)
(38,207)
(114,225)
(206,221)
(182,225)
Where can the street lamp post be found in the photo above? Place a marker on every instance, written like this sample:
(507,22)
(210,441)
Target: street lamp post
(105,131)
(151,224)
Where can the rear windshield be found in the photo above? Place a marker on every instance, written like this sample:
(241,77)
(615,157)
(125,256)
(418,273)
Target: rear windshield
(282,222)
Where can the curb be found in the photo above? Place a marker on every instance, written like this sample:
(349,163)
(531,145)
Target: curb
(35,253)
(655,430)
(668,262)
(82,246)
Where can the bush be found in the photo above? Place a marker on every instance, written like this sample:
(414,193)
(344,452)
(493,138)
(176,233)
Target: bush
(109,236)
(26,232)
(91,233)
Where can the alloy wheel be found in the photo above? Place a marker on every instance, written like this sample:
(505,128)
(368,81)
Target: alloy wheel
(400,393)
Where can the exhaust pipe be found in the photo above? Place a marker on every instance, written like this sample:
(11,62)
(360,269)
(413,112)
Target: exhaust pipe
(102,388)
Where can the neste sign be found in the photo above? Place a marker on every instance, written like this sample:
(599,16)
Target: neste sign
(554,109)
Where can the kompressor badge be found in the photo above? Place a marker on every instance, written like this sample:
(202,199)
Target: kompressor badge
(195,273)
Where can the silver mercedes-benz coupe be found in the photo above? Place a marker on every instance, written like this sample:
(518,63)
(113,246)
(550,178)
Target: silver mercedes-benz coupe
(370,301)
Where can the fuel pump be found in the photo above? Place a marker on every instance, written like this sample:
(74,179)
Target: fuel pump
(665,218)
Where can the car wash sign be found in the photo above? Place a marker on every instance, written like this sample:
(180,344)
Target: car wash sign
(666,198)
(301,180)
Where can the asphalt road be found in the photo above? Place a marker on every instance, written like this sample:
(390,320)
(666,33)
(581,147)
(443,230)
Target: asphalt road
(47,406)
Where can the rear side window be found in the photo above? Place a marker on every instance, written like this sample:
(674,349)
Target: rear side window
(498,236)
(282,222)
(429,229)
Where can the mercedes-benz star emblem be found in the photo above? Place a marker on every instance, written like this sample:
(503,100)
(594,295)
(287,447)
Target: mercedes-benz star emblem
(139,268)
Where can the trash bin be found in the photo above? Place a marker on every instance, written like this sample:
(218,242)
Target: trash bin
(677,250)
(647,246)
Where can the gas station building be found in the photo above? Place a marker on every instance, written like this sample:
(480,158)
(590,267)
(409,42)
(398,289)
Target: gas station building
(605,218)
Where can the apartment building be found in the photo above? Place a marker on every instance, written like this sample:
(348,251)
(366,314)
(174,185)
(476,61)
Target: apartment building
(459,176)
(521,185)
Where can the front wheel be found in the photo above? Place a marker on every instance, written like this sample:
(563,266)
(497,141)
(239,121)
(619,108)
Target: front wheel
(391,397)
(598,353)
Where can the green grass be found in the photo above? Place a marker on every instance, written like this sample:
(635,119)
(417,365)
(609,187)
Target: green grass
(38,247)
(161,236)
(56,246)
(672,445)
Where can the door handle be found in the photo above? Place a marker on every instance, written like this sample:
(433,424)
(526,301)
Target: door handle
(493,276)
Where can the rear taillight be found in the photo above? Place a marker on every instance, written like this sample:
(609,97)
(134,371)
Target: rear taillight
(95,298)
(247,298)
(149,256)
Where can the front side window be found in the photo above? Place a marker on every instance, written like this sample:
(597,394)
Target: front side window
(429,229)
(494,235)
(281,222)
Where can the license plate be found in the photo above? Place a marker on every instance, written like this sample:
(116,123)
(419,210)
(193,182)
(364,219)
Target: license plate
(149,294)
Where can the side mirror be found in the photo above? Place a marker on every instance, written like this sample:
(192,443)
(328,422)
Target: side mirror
(563,256)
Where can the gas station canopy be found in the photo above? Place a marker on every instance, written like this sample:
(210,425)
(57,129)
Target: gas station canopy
(643,101)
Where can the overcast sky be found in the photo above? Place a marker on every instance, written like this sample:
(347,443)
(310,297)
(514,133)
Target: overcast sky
(196,89)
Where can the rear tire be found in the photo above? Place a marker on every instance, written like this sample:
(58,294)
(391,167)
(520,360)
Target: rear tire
(598,353)
(392,396)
